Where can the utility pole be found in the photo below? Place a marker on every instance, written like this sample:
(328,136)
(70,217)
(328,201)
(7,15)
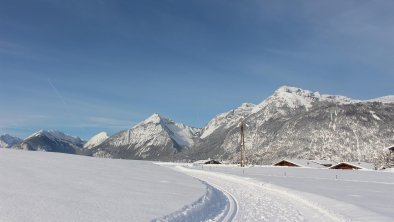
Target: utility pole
(242,145)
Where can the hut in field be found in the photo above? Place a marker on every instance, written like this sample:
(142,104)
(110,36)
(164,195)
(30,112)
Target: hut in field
(297,163)
(353,166)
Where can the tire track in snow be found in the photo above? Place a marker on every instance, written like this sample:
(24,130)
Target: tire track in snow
(256,201)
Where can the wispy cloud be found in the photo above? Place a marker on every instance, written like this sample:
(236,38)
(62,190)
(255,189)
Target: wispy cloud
(16,119)
(10,48)
(57,93)
(110,122)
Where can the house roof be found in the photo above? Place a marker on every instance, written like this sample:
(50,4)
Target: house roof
(390,148)
(324,162)
(361,165)
(201,161)
(302,163)
(204,161)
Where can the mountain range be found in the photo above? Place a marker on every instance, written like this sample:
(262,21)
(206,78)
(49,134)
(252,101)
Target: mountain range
(292,123)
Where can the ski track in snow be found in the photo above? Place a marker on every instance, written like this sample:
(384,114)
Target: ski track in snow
(215,205)
(251,200)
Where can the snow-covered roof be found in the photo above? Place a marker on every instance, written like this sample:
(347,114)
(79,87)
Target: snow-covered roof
(391,170)
(302,163)
(360,165)
(390,148)
(201,161)
(324,162)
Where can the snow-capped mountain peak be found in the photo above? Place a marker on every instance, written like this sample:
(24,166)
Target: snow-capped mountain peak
(56,135)
(293,97)
(7,140)
(183,135)
(155,118)
(51,141)
(228,119)
(384,99)
(156,137)
(96,140)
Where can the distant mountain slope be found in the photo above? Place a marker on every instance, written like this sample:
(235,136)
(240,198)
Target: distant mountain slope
(96,140)
(296,123)
(51,141)
(156,138)
(7,141)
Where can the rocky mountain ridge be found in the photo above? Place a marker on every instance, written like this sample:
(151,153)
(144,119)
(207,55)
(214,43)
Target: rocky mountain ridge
(292,123)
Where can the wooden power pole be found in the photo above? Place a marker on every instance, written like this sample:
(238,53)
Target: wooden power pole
(242,144)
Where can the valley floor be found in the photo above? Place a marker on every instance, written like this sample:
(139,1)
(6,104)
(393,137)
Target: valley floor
(39,186)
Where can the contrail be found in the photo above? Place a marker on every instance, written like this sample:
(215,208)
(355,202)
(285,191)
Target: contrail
(57,93)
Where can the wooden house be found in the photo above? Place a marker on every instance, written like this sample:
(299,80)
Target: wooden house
(297,163)
(353,166)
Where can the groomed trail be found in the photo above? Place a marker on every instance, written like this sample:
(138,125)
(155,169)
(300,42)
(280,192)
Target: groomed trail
(250,200)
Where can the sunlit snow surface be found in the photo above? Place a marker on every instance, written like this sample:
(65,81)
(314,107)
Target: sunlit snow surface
(96,140)
(40,186)
(353,195)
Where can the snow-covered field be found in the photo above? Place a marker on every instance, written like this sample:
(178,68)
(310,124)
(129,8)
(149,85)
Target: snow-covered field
(346,195)
(40,186)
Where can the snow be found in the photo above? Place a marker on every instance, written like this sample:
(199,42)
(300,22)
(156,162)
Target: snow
(96,140)
(347,195)
(7,140)
(47,187)
(375,116)
(155,118)
(253,200)
(37,186)
(324,162)
(384,99)
(182,134)
(294,97)
(227,119)
(362,165)
(303,163)
(56,135)
(391,170)
(389,148)
(213,206)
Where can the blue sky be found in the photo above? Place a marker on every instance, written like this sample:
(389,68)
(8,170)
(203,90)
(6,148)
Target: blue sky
(83,66)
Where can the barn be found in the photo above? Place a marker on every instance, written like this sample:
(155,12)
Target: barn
(297,163)
(353,166)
